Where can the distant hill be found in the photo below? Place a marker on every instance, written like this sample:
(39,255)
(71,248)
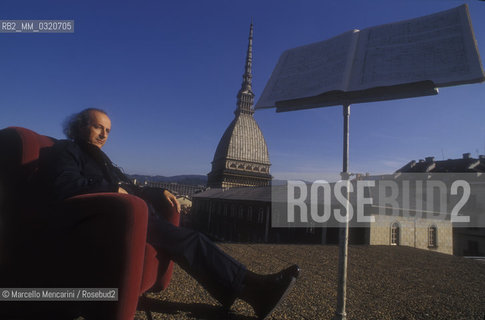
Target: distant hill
(189,179)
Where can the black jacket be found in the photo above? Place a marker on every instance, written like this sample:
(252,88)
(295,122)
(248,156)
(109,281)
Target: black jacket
(72,168)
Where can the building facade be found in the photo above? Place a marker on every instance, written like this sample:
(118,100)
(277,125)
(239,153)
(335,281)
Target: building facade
(244,215)
(428,234)
(467,241)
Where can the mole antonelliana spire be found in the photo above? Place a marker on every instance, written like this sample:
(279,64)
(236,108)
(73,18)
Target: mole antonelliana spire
(245,96)
(241,158)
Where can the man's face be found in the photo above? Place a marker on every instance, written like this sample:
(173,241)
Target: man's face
(98,128)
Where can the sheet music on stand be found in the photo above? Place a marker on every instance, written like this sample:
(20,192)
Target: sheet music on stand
(404,59)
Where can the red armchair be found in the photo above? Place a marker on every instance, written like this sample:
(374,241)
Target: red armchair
(93,241)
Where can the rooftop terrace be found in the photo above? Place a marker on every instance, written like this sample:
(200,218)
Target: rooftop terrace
(384,282)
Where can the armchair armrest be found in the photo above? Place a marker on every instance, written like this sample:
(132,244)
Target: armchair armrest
(158,267)
(90,241)
(116,226)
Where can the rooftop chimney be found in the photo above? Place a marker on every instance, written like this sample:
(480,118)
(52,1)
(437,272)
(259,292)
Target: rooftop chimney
(429,159)
(467,155)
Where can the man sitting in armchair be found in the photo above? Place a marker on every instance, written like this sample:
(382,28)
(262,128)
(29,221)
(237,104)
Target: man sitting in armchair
(78,166)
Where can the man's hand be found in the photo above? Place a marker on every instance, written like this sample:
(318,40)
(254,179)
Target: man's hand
(172,200)
(121,190)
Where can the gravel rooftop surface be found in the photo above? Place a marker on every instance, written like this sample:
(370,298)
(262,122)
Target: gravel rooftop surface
(384,282)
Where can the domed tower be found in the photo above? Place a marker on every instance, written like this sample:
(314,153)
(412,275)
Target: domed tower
(241,158)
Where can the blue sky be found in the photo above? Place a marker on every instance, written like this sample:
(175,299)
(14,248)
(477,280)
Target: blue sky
(168,73)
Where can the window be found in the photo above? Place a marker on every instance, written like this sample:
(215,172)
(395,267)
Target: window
(432,237)
(241,212)
(395,234)
(261,215)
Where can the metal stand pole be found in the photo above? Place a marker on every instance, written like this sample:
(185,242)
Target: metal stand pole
(340,313)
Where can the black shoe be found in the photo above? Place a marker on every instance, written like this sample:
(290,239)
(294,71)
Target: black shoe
(273,290)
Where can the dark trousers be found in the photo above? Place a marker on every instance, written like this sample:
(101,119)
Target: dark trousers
(217,272)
